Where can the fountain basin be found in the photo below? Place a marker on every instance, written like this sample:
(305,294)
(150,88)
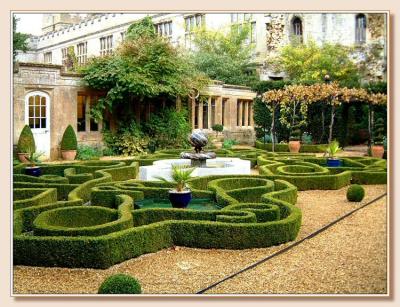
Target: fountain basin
(217,166)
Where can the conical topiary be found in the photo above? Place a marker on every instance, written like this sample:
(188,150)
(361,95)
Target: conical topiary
(295,134)
(26,142)
(379,131)
(68,141)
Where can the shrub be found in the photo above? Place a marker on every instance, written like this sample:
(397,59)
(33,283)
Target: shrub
(86,152)
(355,193)
(68,141)
(217,128)
(228,143)
(120,284)
(306,138)
(26,142)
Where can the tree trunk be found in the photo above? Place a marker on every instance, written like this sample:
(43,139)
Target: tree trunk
(331,124)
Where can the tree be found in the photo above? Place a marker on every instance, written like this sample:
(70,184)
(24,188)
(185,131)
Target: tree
(225,56)
(308,61)
(20,42)
(145,66)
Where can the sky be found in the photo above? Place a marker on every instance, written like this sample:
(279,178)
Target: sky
(29,23)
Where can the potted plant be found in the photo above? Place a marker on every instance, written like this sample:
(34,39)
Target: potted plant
(332,150)
(181,196)
(69,144)
(26,142)
(294,141)
(33,160)
(377,149)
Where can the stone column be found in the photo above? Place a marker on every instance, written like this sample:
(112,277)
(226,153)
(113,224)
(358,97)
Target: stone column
(87,113)
(240,111)
(209,112)
(246,113)
(218,110)
(231,113)
(192,109)
(200,115)
(251,115)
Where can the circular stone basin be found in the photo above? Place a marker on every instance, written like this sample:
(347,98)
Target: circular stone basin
(301,170)
(195,204)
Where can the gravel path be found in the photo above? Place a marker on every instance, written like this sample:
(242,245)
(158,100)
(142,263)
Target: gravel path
(350,263)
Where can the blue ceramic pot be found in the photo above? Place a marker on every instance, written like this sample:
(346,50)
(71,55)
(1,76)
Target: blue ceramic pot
(33,171)
(333,163)
(180,199)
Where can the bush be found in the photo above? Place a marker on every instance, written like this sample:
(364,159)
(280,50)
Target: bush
(217,128)
(68,141)
(228,143)
(120,284)
(26,142)
(86,152)
(355,193)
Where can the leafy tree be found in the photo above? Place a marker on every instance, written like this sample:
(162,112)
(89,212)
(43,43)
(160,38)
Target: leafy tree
(145,66)
(225,56)
(310,62)
(20,42)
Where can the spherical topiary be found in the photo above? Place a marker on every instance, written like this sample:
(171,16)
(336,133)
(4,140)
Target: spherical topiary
(120,284)
(355,193)
(68,141)
(26,142)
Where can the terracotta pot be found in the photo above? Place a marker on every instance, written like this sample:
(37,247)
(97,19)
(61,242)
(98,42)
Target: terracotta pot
(68,155)
(22,157)
(294,146)
(377,151)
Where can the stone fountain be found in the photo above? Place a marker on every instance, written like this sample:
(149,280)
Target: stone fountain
(205,163)
(198,158)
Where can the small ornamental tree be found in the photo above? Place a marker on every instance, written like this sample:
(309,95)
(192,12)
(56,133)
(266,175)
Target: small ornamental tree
(26,142)
(379,132)
(217,128)
(68,141)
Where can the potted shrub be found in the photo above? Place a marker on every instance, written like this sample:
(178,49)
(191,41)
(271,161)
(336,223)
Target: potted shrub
(294,141)
(377,149)
(33,160)
(181,196)
(69,144)
(332,150)
(26,143)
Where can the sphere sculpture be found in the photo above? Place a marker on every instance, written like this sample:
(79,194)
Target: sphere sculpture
(198,159)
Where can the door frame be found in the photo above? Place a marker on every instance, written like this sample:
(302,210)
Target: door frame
(46,130)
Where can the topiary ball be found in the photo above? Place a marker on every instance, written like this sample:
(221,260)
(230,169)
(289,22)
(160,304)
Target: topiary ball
(355,193)
(120,284)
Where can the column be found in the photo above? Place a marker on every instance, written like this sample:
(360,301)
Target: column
(200,115)
(246,113)
(192,108)
(251,114)
(218,110)
(239,114)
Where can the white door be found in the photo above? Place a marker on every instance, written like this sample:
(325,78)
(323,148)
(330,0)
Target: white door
(37,116)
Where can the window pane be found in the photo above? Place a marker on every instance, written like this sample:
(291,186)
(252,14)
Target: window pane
(31,111)
(43,111)
(37,123)
(37,111)
(31,101)
(43,122)
(31,123)
(43,101)
(37,100)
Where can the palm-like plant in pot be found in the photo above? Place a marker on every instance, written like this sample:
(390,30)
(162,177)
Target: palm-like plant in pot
(181,196)
(332,150)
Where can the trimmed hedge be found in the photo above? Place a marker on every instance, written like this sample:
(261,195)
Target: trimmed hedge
(285,147)
(355,193)
(33,197)
(156,229)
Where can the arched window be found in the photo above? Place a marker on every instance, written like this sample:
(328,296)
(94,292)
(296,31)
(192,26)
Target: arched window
(361,28)
(297,29)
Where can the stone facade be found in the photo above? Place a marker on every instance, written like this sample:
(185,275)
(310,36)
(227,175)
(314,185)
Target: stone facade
(69,103)
(269,31)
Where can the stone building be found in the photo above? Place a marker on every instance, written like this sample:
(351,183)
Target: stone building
(48,97)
